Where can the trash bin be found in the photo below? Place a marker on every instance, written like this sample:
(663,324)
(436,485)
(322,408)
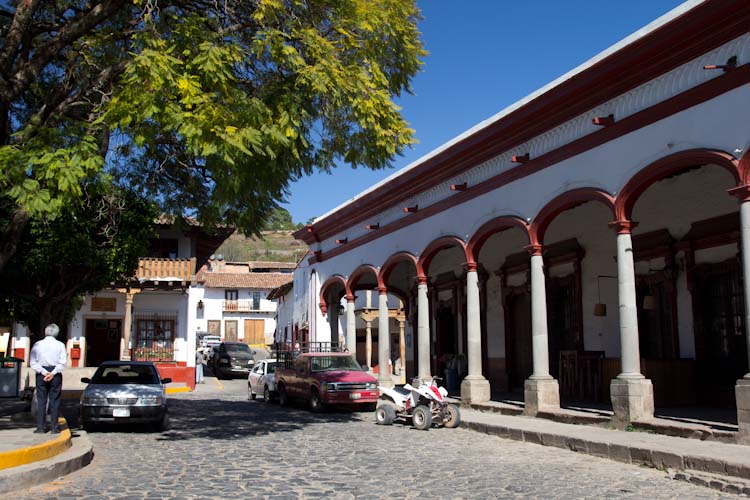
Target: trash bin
(10,377)
(451,379)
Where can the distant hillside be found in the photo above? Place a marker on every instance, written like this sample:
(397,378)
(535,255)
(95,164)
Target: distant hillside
(277,246)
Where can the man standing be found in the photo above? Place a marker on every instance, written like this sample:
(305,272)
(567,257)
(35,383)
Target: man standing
(47,359)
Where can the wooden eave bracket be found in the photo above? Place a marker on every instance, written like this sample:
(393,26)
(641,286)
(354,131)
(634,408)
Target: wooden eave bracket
(342,241)
(604,121)
(458,187)
(372,226)
(520,158)
(411,209)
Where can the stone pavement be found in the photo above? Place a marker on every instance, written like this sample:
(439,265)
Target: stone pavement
(223,446)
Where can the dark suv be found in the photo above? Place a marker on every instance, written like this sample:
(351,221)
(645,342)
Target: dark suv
(232,358)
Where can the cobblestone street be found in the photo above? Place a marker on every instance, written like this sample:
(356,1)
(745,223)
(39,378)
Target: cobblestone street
(223,446)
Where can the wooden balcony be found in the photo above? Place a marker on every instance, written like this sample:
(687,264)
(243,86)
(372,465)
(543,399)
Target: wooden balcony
(155,269)
(238,306)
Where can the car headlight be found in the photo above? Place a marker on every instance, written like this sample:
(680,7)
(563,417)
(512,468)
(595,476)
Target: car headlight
(93,401)
(371,385)
(329,387)
(224,361)
(151,400)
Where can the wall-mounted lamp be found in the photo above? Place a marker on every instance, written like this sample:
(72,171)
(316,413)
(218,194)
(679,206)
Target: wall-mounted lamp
(600,308)
(200,305)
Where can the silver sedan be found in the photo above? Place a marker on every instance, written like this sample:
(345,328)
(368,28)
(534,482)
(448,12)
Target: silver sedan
(261,380)
(125,392)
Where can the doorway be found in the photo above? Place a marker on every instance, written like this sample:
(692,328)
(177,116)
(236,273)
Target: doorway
(102,340)
(230,330)
(254,332)
(519,357)
(720,344)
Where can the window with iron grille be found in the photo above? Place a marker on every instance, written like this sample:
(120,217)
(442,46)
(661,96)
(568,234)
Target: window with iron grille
(154,336)
(230,294)
(256,301)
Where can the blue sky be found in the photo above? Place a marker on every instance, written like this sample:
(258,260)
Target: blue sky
(483,56)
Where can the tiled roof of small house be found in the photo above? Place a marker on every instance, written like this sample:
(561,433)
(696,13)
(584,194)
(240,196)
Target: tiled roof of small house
(244,280)
(280,291)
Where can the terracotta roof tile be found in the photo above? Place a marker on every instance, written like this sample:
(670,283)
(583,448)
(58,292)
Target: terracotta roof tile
(246,280)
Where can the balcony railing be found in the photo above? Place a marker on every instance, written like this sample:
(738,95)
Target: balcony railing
(151,268)
(240,306)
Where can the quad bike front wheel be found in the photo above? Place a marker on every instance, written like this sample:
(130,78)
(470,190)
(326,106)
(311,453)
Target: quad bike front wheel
(452,417)
(422,418)
(385,415)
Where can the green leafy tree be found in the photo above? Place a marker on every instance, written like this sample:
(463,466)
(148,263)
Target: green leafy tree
(92,243)
(279,220)
(209,108)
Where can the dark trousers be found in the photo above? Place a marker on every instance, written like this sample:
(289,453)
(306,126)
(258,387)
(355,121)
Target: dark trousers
(48,390)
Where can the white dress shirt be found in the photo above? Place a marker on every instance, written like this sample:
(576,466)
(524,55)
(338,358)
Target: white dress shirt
(48,352)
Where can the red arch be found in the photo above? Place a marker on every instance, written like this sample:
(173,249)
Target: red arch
(359,273)
(330,282)
(480,237)
(565,201)
(425,258)
(392,261)
(670,165)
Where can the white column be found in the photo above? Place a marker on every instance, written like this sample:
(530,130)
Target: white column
(742,389)
(384,341)
(629,349)
(368,344)
(423,331)
(631,393)
(351,326)
(125,352)
(402,350)
(474,388)
(745,242)
(539,342)
(541,391)
(473,324)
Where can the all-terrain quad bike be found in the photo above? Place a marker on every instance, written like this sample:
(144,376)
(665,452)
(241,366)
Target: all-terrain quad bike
(424,405)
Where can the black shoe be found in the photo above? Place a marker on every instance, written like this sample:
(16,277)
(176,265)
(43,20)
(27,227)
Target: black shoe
(54,431)
(39,431)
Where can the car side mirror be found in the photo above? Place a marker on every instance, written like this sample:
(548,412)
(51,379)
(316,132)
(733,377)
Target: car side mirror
(166,380)
(363,366)
(85,380)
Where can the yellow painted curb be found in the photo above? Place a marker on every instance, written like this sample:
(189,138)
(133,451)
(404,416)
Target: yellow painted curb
(221,386)
(175,390)
(38,452)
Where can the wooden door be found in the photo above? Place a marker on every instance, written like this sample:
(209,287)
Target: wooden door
(102,341)
(214,327)
(518,337)
(562,322)
(230,330)
(254,332)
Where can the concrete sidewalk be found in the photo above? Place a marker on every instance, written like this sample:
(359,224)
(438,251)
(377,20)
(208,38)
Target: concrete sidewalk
(720,465)
(27,458)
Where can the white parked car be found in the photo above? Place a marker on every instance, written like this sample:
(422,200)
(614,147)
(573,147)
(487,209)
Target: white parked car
(261,380)
(210,341)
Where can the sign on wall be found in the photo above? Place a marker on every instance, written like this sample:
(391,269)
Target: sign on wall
(104,304)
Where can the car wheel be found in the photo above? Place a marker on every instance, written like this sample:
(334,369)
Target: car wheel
(266,394)
(163,424)
(283,398)
(452,416)
(316,405)
(385,415)
(422,418)
(251,393)
(87,426)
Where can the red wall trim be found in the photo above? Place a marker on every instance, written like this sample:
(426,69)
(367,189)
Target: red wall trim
(701,29)
(393,261)
(697,95)
(565,201)
(442,243)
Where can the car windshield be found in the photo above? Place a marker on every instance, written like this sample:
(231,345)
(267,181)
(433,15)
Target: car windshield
(237,349)
(330,363)
(126,374)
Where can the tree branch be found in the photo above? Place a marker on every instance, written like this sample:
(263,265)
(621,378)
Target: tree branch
(21,22)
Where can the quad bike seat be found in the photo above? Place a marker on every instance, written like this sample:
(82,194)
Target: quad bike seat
(402,391)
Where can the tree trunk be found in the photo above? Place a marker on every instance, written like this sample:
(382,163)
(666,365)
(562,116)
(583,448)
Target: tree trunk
(12,234)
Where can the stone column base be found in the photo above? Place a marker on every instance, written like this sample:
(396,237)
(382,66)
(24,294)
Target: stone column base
(742,395)
(385,382)
(540,395)
(632,399)
(475,389)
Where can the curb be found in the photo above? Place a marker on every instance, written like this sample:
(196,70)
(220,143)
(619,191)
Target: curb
(36,453)
(637,455)
(176,390)
(76,457)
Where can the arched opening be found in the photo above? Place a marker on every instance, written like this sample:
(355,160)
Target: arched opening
(688,276)
(443,264)
(498,248)
(332,305)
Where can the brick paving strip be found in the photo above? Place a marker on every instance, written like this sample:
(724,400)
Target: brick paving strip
(693,458)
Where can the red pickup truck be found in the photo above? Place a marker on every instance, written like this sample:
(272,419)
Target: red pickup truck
(326,378)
